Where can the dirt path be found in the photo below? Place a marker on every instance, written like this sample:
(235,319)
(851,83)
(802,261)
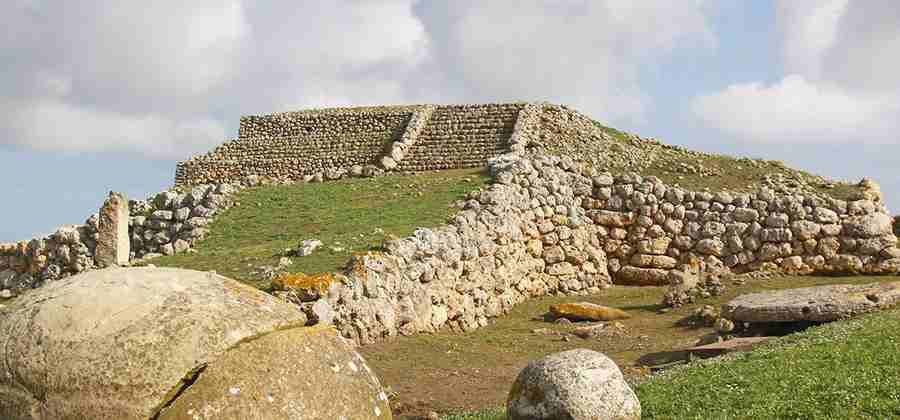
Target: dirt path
(449,372)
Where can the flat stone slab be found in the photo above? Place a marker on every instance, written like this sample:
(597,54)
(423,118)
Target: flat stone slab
(817,304)
(729,346)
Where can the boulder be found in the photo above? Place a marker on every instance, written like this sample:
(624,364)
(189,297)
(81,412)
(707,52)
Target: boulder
(131,343)
(300,373)
(585,311)
(818,304)
(577,384)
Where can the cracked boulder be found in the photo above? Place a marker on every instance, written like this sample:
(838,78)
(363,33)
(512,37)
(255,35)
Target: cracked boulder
(141,343)
(816,304)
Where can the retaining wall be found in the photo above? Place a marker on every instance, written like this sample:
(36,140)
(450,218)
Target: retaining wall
(550,225)
(332,143)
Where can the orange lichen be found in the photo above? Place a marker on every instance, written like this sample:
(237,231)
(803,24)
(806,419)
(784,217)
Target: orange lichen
(299,281)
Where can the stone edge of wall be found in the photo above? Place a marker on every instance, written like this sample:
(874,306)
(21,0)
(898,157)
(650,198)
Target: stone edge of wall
(417,122)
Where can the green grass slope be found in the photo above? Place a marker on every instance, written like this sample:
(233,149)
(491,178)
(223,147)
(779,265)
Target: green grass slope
(348,216)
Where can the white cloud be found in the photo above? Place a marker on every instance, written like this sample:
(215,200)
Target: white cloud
(840,84)
(162,77)
(794,110)
(586,54)
(51,125)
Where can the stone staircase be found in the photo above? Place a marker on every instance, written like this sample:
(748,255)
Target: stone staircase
(462,136)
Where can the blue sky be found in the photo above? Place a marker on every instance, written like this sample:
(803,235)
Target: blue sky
(99,96)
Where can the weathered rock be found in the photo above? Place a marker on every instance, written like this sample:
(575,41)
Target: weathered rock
(585,311)
(151,331)
(113,243)
(820,303)
(575,385)
(636,276)
(270,377)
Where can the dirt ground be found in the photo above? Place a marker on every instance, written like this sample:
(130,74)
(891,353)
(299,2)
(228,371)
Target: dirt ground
(452,372)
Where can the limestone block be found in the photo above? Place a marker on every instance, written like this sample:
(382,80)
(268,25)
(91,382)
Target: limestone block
(820,304)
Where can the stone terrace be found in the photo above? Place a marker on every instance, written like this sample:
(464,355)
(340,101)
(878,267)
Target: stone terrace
(330,143)
(463,136)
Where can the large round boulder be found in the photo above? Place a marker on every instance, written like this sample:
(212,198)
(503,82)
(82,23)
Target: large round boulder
(577,384)
(141,343)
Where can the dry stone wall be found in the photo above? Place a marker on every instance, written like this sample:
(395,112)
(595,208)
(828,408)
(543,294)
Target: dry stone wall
(173,221)
(295,145)
(551,225)
(332,143)
(28,264)
(164,224)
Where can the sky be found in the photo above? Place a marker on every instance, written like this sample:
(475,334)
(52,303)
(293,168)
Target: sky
(101,95)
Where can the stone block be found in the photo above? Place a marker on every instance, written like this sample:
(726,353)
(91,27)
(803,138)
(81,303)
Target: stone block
(113,243)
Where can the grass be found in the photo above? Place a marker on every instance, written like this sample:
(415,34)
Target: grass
(451,372)
(843,370)
(489,414)
(348,216)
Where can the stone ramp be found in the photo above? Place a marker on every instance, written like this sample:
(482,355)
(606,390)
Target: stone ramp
(462,136)
(815,304)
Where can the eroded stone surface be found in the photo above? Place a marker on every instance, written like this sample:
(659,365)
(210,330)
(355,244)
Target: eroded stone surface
(302,373)
(819,304)
(115,343)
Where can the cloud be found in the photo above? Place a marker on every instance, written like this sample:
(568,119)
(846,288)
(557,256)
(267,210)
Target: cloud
(840,84)
(166,78)
(585,54)
(50,125)
(794,110)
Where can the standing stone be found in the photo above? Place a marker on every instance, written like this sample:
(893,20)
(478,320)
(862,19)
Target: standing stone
(113,245)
